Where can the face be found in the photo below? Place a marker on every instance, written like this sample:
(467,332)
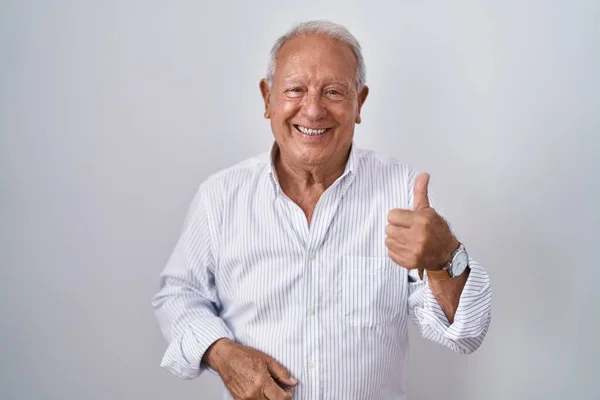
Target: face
(313,103)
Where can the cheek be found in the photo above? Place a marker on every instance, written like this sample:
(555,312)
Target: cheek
(344,114)
(284,109)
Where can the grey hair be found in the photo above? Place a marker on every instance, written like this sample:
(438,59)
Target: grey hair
(326,28)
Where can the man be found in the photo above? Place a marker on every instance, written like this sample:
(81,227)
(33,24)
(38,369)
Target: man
(296,271)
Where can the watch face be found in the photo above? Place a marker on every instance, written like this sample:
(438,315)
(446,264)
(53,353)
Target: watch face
(460,263)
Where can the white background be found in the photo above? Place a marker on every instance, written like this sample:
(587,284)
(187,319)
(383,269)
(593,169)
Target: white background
(113,112)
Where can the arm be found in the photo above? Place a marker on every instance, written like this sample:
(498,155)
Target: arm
(447,292)
(187,307)
(473,311)
(457,312)
(187,304)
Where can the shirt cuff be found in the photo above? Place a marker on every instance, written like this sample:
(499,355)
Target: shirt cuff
(473,309)
(183,357)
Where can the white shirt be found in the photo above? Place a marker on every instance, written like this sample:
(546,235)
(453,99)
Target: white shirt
(324,300)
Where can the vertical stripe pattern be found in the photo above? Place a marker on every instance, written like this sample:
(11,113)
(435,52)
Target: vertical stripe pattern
(323,299)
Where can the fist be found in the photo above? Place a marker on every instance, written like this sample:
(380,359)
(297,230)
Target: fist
(419,238)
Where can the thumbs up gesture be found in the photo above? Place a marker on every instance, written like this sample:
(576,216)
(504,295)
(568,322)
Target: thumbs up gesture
(419,238)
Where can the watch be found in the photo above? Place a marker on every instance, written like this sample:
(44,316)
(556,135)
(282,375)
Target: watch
(458,264)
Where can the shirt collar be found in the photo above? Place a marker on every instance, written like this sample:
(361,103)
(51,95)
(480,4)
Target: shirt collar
(347,175)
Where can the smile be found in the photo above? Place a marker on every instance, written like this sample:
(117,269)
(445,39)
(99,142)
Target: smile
(311,132)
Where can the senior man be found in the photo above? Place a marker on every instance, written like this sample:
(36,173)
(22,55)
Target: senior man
(296,271)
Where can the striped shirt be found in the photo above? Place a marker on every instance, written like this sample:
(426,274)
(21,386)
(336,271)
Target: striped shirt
(323,299)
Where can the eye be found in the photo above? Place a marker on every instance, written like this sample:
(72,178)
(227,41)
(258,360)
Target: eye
(335,94)
(295,91)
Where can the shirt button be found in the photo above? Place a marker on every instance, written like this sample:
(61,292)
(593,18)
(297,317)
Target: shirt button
(310,312)
(311,257)
(311,365)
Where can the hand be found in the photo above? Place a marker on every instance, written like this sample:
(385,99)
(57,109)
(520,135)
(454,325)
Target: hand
(420,238)
(249,373)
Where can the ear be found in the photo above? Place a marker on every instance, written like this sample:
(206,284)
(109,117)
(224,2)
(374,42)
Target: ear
(362,96)
(265,91)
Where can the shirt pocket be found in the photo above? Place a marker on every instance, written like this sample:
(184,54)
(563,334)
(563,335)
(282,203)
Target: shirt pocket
(372,290)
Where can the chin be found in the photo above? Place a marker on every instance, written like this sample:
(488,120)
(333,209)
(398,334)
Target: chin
(314,156)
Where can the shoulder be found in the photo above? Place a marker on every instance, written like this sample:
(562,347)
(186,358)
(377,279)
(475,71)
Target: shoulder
(373,164)
(212,193)
(238,175)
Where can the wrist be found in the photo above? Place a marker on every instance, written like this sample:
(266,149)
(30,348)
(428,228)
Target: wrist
(454,244)
(216,353)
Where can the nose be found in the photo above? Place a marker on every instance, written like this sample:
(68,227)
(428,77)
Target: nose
(313,107)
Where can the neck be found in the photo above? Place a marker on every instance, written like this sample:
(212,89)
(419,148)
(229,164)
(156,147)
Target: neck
(304,184)
(296,178)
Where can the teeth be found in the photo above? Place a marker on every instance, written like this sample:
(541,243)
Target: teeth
(308,131)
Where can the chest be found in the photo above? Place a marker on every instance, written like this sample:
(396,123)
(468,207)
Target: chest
(271,244)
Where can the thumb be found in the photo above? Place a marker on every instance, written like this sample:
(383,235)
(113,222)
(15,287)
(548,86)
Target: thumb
(421,190)
(280,373)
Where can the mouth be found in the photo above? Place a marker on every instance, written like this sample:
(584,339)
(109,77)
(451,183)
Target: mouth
(311,131)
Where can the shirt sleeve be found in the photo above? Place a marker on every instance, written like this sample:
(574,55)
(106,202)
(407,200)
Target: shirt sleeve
(187,305)
(472,318)
(473,315)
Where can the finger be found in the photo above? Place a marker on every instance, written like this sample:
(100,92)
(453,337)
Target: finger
(401,217)
(421,196)
(280,373)
(398,233)
(273,391)
(402,258)
(395,246)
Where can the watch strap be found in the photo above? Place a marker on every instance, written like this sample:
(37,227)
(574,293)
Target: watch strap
(438,274)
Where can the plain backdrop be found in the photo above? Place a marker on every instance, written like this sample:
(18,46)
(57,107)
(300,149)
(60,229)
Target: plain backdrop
(113,112)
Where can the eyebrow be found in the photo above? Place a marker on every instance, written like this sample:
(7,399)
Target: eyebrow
(335,81)
(328,81)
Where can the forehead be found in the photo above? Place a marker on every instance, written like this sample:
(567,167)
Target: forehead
(317,58)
